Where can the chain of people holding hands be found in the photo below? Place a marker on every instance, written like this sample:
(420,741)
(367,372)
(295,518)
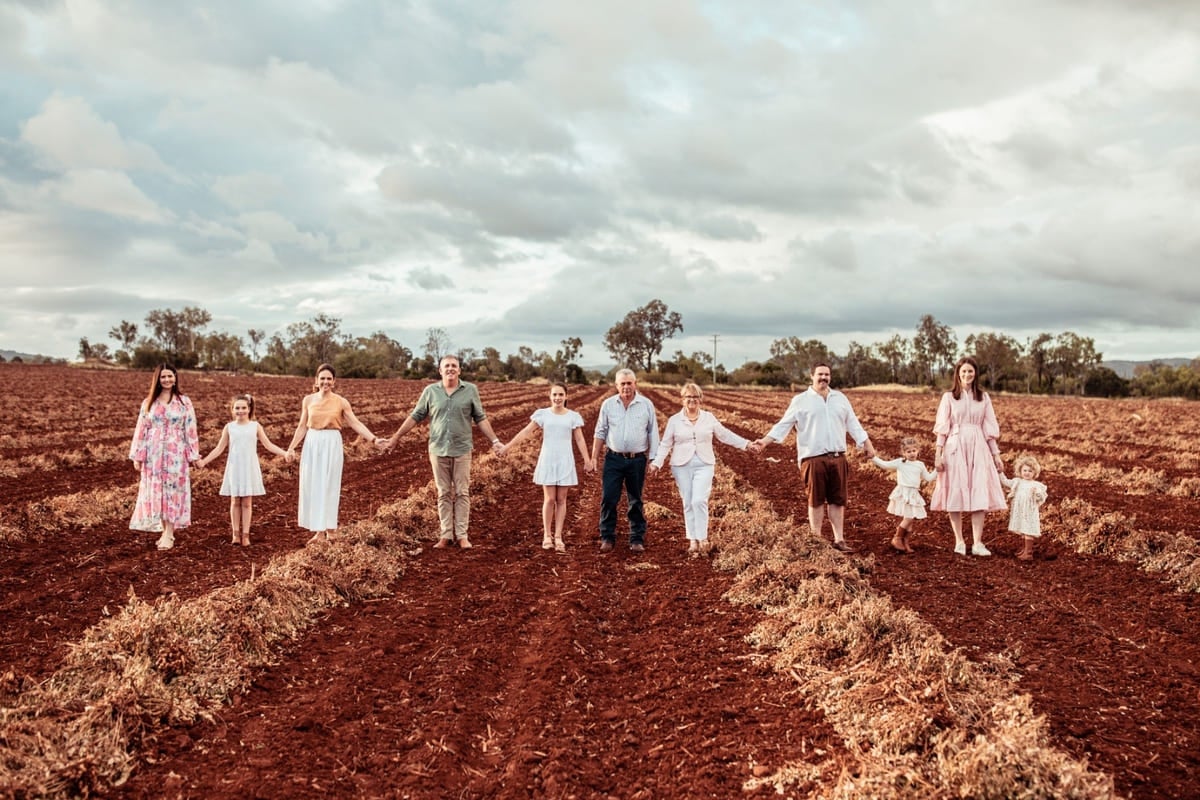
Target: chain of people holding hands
(626,448)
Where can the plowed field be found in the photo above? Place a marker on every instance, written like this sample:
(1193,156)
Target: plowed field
(509,671)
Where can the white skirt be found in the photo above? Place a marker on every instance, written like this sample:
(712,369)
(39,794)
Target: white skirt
(320,479)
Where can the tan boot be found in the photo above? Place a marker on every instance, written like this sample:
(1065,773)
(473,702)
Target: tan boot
(898,540)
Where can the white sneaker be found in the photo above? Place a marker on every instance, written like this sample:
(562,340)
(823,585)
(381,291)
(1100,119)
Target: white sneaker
(961,548)
(980,550)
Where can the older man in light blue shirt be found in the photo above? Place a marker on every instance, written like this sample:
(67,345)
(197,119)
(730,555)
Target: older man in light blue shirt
(628,427)
(822,418)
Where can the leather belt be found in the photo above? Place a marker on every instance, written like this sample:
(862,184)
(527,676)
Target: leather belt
(627,455)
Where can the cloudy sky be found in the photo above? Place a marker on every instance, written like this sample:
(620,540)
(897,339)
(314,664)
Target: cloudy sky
(518,172)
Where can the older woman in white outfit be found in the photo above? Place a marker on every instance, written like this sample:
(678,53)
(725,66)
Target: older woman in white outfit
(689,441)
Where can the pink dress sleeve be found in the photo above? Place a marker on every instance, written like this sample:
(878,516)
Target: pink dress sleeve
(941,425)
(192,447)
(991,428)
(137,448)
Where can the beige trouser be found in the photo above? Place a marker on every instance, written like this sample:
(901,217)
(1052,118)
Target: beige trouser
(452,475)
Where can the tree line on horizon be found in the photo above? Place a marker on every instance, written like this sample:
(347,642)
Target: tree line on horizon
(1063,363)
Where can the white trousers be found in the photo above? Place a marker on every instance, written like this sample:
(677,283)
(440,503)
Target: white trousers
(695,480)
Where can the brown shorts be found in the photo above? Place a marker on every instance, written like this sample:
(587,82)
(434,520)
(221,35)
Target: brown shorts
(824,478)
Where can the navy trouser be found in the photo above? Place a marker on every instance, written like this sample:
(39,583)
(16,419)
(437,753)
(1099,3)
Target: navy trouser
(620,470)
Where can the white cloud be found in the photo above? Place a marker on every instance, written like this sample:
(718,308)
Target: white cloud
(107,192)
(70,135)
(522,171)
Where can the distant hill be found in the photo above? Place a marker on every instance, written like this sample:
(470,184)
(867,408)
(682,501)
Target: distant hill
(28,358)
(1125,368)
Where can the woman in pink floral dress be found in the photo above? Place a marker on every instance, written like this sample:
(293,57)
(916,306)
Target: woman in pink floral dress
(164,442)
(967,458)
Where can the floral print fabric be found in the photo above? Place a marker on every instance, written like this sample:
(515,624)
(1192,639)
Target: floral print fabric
(165,440)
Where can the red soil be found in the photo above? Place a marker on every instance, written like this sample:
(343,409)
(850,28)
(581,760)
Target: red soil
(508,671)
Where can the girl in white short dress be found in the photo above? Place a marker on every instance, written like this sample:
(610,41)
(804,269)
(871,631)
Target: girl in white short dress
(243,475)
(1027,496)
(555,469)
(906,500)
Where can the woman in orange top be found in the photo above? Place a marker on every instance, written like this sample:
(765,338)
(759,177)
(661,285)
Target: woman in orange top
(322,415)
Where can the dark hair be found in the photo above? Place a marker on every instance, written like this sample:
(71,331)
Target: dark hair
(249,398)
(824,364)
(156,384)
(558,385)
(317,375)
(957,389)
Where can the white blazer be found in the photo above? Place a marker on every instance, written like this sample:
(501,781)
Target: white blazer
(684,439)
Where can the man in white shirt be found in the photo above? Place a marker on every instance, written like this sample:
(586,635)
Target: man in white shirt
(822,418)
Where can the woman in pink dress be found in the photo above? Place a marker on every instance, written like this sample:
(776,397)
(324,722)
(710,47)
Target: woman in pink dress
(164,442)
(967,459)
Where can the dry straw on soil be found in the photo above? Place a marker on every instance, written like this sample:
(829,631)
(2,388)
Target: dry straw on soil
(174,662)
(1084,528)
(924,721)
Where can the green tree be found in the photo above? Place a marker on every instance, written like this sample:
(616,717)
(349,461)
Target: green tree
(1071,358)
(256,337)
(894,353)
(696,368)
(999,357)
(195,320)
(1104,382)
(796,358)
(1037,360)
(934,348)
(313,343)
(522,365)
(491,365)
(860,366)
(124,334)
(220,351)
(85,349)
(168,332)
(374,356)
(437,344)
(562,366)
(637,339)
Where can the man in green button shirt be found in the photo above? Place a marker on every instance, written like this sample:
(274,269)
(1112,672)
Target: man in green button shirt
(452,406)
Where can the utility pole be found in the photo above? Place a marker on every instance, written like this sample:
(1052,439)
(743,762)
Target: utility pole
(714,364)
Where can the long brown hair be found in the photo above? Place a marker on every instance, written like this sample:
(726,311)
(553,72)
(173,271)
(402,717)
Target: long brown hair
(958,387)
(156,385)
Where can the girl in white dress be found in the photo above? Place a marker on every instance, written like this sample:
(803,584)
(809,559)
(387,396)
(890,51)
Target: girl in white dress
(906,500)
(555,469)
(243,475)
(1027,495)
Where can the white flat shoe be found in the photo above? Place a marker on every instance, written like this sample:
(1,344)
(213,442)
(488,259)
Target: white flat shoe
(980,550)
(961,548)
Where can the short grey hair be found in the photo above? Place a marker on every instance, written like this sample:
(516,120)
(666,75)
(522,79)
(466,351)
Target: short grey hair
(626,371)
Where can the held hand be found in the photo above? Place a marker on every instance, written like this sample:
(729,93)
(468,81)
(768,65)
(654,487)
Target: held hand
(386,445)
(290,456)
(938,463)
(590,465)
(762,443)
(498,447)
(651,469)
(137,465)
(999,464)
